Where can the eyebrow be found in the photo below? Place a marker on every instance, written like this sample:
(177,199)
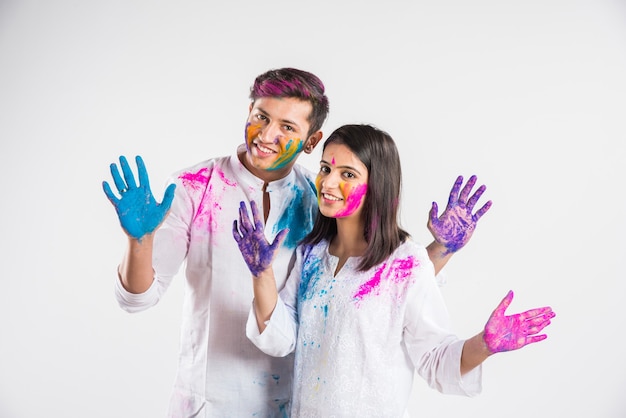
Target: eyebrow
(349,167)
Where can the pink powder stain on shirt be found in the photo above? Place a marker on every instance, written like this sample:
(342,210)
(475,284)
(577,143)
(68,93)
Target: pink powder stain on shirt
(399,271)
(197,180)
(210,202)
(226,181)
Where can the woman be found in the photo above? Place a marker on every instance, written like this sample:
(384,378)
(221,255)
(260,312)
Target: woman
(362,308)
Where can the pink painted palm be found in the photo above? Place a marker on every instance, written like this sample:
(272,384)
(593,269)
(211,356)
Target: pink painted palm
(511,332)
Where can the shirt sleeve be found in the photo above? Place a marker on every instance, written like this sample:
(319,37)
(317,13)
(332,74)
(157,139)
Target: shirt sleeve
(433,348)
(281,331)
(171,243)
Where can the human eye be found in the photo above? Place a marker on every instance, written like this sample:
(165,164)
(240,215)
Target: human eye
(261,117)
(324,169)
(349,174)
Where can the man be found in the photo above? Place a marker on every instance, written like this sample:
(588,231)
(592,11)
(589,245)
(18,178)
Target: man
(221,373)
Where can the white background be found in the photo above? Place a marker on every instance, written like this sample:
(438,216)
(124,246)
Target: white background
(528,95)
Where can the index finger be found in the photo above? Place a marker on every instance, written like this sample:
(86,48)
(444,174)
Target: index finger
(109,192)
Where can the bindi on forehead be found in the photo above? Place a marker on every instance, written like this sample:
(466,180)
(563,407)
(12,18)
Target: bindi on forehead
(333,161)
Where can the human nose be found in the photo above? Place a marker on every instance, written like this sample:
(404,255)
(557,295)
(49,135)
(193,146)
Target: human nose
(331,180)
(270,133)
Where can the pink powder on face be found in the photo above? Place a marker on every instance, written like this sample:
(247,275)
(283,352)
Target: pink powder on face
(399,271)
(353,200)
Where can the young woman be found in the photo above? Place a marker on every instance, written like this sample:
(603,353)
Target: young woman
(362,308)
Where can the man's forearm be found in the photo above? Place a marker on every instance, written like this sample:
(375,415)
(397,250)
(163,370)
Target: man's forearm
(135,271)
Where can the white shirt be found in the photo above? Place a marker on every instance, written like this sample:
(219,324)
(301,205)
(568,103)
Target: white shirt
(360,336)
(221,373)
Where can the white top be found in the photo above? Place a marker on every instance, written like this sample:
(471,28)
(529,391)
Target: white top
(221,373)
(360,336)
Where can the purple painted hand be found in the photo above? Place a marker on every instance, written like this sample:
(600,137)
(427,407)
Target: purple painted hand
(454,228)
(138,212)
(511,332)
(257,252)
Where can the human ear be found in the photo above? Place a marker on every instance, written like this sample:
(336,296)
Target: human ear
(313,140)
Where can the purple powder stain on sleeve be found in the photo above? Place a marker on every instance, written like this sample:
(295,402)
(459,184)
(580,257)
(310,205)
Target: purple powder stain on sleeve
(398,272)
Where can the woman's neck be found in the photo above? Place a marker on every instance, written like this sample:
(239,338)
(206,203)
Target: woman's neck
(349,241)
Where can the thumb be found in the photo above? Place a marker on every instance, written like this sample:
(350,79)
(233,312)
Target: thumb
(504,304)
(168,197)
(433,214)
(280,237)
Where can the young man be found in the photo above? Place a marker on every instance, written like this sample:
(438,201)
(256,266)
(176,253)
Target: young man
(221,373)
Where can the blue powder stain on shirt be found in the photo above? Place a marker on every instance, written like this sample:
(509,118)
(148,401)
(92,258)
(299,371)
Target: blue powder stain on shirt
(283,410)
(312,185)
(310,277)
(297,217)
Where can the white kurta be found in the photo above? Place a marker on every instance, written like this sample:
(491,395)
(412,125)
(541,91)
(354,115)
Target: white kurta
(221,373)
(360,336)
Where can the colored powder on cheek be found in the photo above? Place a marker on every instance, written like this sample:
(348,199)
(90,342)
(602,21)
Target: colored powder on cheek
(353,200)
(292,148)
(318,187)
(252,131)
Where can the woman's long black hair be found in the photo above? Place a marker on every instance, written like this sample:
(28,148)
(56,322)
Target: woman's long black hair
(377,151)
